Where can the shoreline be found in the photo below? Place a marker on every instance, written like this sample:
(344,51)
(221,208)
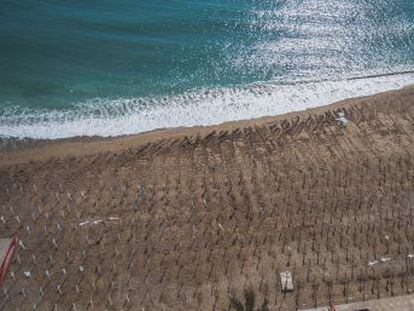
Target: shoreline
(12,150)
(125,116)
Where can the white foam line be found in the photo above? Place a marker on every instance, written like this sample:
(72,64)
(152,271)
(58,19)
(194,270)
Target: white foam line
(199,107)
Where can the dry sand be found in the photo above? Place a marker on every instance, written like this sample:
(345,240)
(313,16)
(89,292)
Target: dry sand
(184,219)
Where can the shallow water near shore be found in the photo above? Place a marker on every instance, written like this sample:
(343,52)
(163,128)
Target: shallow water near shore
(108,68)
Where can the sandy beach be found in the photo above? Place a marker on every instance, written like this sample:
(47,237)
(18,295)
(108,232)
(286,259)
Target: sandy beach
(187,218)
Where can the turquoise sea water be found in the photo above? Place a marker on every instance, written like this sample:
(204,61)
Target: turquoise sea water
(111,67)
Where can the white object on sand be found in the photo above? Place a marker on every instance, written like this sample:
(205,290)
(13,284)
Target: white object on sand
(371,263)
(286,281)
(342,119)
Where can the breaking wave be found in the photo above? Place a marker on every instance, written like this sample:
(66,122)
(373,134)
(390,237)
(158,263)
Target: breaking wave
(113,117)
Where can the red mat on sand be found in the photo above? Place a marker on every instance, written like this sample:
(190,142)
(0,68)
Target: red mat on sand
(7,249)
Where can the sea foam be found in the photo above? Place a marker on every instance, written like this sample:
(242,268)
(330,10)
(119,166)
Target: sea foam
(113,117)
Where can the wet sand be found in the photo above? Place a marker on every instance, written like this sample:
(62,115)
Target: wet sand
(185,219)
